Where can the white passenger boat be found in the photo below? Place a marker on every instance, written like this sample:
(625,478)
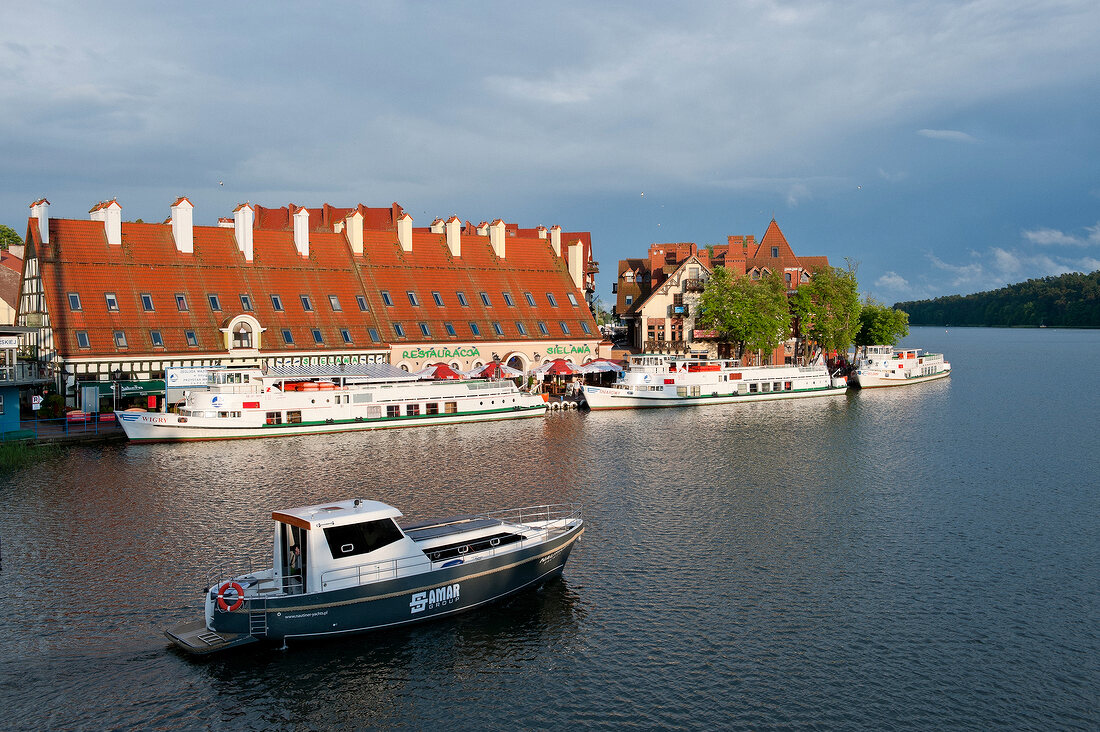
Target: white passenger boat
(661,380)
(889,366)
(243,403)
(347,567)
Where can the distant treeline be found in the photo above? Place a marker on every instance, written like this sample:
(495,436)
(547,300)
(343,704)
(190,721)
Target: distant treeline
(1070,300)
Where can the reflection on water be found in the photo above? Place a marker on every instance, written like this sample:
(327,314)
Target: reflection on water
(922,557)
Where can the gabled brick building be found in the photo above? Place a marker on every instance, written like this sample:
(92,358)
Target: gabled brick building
(300,285)
(657,297)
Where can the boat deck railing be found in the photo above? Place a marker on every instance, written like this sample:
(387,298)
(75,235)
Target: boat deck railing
(547,520)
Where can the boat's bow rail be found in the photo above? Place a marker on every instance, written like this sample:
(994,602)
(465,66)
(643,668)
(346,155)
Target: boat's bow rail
(551,516)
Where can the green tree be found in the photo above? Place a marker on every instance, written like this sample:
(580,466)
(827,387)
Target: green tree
(752,315)
(880,325)
(828,308)
(8,238)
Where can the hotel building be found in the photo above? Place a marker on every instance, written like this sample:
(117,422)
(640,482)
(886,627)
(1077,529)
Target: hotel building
(657,298)
(124,301)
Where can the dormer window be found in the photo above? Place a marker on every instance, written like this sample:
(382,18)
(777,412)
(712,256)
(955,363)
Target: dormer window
(242,336)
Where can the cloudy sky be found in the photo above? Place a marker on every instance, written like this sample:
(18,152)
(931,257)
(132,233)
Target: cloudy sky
(948,147)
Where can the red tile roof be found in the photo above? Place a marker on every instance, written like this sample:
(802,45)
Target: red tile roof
(79,260)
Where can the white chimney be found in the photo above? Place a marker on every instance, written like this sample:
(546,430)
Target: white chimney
(454,236)
(496,237)
(555,239)
(437,226)
(575,261)
(354,231)
(110,213)
(301,231)
(243,218)
(405,232)
(483,228)
(541,232)
(225,222)
(40,210)
(182,231)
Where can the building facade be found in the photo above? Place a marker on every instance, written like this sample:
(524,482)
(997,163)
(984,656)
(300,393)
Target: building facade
(125,301)
(657,298)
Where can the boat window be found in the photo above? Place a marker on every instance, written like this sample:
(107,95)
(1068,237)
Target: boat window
(412,410)
(450,407)
(294,416)
(393,410)
(355,539)
(431,408)
(274,418)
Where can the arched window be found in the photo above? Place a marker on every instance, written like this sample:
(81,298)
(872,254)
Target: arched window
(242,335)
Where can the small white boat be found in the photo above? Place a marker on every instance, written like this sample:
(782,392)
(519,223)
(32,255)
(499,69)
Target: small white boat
(662,380)
(889,366)
(347,567)
(245,403)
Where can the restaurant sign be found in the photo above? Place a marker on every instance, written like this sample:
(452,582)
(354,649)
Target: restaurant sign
(703,334)
(441,352)
(569,350)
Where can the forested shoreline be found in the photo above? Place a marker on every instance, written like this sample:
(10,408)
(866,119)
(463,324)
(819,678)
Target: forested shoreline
(1070,301)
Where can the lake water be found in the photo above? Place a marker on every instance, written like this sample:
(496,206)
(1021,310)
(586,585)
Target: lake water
(918,558)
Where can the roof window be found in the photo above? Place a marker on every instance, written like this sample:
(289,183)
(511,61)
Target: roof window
(288,337)
(585,328)
(474,329)
(277,303)
(542,328)
(246,302)
(147,302)
(450,329)
(438,299)
(181,302)
(425,330)
(413,299)
(120,339)
(462,299)
(564,327)
(521,328)
(572,299)
(399,330)
(74,301)
(530,298)
(387,299)
(485,299)
(307,304)
(112,302)
(497,328)
(191,339)
(508,299)
(156,338)
(373,333)
(82,339)
(775,251)
(334,303)
(215,303)
(317,337)
(346,335)
(550,299)
(361,300)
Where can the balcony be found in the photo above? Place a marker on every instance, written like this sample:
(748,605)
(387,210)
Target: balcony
(694,285)
(23,373)
(593,268)
(679,311)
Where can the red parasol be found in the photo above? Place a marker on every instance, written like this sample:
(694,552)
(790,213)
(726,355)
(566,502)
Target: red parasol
(438,371)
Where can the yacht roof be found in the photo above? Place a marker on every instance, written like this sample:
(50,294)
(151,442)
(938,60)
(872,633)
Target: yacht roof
(336,513)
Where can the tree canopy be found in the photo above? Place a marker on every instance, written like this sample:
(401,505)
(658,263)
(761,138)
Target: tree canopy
(828,308)
(8,238)
(1070,300)
(753,315)
(880,325)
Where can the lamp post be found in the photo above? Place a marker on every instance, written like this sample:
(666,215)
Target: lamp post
(115,387)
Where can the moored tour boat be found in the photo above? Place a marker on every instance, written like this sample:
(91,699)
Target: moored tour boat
(347,567)
(662,380)
(888,366)
(243,403)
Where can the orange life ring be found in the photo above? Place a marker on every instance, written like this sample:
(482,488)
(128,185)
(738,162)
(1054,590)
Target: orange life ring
(221,597)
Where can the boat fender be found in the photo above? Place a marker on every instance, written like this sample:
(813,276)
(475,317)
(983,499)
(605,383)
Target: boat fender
(221,597)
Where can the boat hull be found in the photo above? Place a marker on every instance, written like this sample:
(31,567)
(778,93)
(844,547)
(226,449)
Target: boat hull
(873,381)
(383,604)
(600,398)
(158,427)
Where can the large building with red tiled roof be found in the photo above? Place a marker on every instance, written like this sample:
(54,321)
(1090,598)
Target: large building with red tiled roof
(657,297)
(295,285)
